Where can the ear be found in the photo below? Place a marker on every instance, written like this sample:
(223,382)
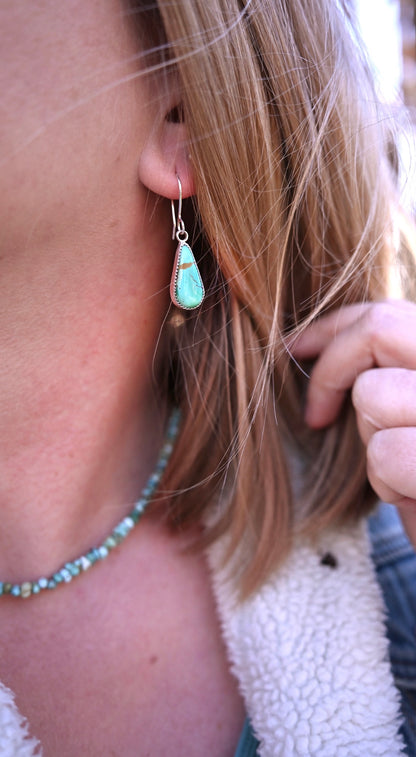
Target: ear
(165,156)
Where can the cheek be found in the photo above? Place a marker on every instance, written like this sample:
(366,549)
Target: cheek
(41,62)
(55,184)
(76,178)
(63,124)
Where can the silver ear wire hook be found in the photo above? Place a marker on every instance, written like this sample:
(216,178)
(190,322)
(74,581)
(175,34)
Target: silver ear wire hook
(186,286)
(178,224)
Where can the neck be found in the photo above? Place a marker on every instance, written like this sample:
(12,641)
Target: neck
(81,423)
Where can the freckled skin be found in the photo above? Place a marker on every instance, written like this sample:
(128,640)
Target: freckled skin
(85,259)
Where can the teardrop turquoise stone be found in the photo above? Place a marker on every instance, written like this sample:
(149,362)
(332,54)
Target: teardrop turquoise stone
(189,289)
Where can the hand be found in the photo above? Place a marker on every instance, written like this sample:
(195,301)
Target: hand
(370,349)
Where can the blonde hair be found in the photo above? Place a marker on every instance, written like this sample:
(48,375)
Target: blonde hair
(293,217)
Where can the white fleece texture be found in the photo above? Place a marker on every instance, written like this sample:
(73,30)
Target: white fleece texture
(14,732)
(310,653)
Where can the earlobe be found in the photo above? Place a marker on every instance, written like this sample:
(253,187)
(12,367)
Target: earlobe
(165,156)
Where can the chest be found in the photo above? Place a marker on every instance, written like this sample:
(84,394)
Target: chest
(139,668)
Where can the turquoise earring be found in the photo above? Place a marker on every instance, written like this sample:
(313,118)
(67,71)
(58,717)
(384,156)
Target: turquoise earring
(186,287)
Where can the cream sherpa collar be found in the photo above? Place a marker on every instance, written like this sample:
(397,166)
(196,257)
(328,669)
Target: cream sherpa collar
(310,652)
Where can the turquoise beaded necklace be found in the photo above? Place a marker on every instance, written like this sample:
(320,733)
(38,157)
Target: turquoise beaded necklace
(79,566)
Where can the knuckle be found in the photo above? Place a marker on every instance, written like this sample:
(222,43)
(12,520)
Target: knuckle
(379,318)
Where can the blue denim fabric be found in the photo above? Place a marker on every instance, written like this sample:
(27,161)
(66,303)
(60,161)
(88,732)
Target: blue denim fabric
(247,745)
(395,562)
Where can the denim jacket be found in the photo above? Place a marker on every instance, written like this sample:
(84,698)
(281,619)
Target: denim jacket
(395,561)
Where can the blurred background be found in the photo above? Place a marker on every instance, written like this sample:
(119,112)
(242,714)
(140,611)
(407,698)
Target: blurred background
(389,33)
(388,29)
(407,26)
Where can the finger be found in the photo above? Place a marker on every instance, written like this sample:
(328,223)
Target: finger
(384,398)
(317,336)
(391,464)
(384,335)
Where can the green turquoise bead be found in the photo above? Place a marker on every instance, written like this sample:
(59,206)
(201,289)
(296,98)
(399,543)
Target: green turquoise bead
(73,569)
(153,481)
(121,531)
(66,575)
(188,289)
(139,508)
(83,563)
(110,542)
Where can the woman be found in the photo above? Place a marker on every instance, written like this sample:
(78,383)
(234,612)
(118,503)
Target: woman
(264,114)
